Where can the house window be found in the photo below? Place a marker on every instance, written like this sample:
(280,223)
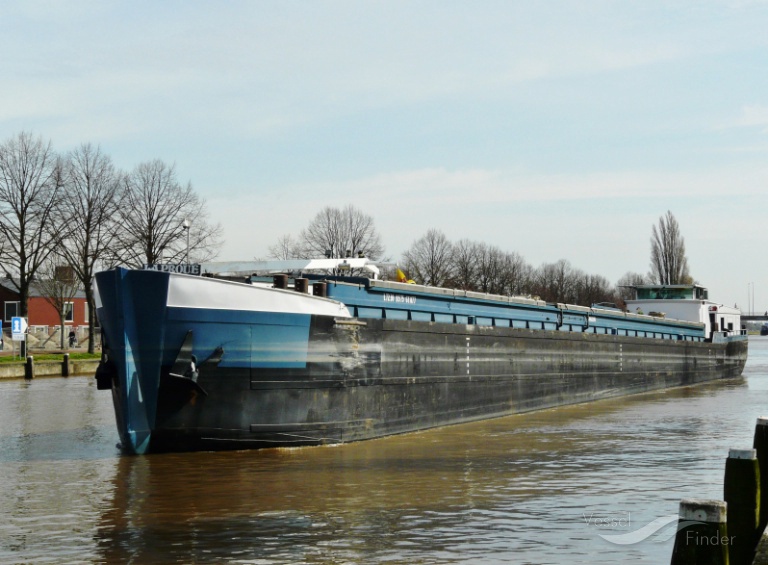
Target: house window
(69,311)
(11,310)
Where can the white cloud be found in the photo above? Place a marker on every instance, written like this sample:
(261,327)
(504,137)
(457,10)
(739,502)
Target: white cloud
(754,115)
(469,199)
(269,66)
(443,187)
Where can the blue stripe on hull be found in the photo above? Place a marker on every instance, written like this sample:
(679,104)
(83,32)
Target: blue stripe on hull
(259,340)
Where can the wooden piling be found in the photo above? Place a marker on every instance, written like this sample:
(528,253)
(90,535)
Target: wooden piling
(702,533)
(65,366)
(29,368)
(760,444)
(742,494)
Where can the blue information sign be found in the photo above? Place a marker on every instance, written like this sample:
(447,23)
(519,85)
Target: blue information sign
(18,328)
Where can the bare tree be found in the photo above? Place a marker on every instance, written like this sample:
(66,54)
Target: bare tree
(555,282)
(89,207)
(624,286)
(669,264)
(429,260)
(58,285)
(486,268)
(514,274)
(30,183)
(285,248)
(593,289)
(158,216)
(498,272)
(488,260)
(341,233)
(465,267)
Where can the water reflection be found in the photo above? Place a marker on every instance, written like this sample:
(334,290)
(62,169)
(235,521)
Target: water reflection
(493,491)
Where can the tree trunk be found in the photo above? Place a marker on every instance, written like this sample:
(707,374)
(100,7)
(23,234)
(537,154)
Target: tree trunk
(62,338)
(23,312)
(89,299)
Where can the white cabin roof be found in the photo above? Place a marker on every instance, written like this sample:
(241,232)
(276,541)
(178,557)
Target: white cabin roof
(290,266)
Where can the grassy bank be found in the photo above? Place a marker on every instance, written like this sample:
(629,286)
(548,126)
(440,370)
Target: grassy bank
(73,356)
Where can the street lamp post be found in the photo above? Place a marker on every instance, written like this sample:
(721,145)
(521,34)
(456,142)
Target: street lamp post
(186,226)
(752,310)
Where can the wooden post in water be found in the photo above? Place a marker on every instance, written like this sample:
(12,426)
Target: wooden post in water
(65,366)
(761,446)
(742,494)
(29,368)
(702,533)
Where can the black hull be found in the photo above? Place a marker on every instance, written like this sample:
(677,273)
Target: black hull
(382,377)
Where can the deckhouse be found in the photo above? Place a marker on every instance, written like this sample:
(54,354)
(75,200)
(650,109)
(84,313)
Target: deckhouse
(686,302)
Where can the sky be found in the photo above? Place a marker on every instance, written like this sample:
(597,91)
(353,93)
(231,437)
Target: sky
(555,129)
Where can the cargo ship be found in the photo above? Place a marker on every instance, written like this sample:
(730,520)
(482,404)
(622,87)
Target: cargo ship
(293,353)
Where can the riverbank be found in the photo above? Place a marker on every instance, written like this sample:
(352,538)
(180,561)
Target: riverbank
(48,367)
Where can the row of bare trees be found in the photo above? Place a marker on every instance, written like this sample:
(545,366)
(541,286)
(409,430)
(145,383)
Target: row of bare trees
(470,265)
(78,210)
(480,267)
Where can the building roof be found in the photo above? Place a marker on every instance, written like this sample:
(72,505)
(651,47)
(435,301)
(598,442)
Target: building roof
(34,289)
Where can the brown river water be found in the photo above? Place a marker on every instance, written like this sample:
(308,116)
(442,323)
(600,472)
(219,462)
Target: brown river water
(556,486)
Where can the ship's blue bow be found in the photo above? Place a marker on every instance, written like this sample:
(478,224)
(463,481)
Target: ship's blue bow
(132,309)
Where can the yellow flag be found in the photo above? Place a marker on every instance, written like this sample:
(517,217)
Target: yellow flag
(402,278)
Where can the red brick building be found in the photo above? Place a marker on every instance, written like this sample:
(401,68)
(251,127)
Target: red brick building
(42,313)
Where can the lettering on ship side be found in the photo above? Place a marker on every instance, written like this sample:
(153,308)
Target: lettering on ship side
(388,297)
(187,268)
